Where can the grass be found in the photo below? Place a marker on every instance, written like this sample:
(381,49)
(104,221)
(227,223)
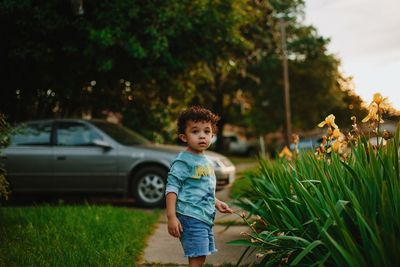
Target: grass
(239,186)
(242,182)
(238,160)
(73,235)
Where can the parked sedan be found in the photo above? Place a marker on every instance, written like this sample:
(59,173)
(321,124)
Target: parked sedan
(239,146)
(73,155)
(306,144)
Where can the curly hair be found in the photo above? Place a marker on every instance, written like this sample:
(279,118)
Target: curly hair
(196,114)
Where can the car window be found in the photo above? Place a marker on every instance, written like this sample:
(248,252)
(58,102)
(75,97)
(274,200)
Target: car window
(75,134)
(121,134)
(36,134)
(230,139)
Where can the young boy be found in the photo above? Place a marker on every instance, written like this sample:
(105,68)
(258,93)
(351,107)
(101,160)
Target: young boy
(190,193)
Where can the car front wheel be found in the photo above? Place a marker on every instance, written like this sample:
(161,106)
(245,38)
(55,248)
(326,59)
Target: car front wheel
(148,187)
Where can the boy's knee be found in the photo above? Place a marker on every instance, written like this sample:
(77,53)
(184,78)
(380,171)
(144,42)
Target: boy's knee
(197,261)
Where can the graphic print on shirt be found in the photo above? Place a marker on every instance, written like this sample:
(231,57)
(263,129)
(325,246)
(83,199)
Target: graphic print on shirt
(209,197)
(202,170)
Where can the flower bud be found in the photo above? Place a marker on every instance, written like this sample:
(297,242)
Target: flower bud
(259,255)
(386,134)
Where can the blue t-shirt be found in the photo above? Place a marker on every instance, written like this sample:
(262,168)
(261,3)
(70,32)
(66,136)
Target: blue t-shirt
(192,179)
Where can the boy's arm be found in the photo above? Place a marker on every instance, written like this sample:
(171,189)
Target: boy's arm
(174,225)
(222,206)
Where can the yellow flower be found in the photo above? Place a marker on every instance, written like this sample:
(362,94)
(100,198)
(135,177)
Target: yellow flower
(336,133)
(336,146)
(380,102)
(330,121)
(286,153)
(378,98)
(372,113)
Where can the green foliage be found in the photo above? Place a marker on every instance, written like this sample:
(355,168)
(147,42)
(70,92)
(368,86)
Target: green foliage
(155,46)
(73,235)
(4,130)
(328,213)
(314,78)
(242,181)
(4,185)
(223,54)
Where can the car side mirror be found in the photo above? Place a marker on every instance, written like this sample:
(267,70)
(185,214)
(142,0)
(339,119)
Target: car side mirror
(101,143)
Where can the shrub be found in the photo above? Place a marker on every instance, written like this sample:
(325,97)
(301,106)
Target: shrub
(313,212)
(4,130)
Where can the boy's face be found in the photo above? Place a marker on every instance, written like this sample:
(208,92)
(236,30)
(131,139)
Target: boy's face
(197,135)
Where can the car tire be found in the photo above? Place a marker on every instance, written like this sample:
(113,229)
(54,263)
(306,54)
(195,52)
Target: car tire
(148,186)
(251,152)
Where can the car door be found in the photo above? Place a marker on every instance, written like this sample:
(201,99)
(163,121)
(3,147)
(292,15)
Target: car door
(28,157)
(79,164)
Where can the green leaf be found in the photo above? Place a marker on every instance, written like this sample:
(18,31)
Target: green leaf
(242,242)
(305,252)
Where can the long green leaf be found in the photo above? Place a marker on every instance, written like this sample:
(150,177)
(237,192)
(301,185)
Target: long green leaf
(305,252)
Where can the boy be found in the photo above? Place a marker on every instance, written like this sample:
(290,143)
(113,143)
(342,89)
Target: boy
(190,193)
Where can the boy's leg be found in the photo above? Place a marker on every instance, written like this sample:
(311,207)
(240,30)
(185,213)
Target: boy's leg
(197,261)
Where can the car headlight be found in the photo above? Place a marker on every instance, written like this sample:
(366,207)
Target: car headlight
(215,163)
(226,162)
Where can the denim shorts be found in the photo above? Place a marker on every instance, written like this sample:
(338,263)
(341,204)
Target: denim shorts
(197,237)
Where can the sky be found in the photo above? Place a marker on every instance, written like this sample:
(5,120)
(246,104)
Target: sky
(365,36)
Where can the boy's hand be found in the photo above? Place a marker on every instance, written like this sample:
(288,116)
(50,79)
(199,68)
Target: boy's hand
(174,227)
(222,206)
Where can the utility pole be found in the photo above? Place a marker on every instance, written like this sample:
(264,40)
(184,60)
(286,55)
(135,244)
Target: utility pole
(288,120)
(77,7)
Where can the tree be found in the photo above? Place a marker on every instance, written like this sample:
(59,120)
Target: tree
(115,54)
(317,86)
(149,59)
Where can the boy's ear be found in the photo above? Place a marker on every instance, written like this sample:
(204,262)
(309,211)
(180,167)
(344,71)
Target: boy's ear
(182,137)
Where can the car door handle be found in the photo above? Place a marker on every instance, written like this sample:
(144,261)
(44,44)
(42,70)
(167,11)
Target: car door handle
(61,157)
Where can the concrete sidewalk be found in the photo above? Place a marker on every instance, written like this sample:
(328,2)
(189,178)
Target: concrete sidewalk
(164,250)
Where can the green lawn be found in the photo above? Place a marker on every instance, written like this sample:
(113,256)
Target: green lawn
(242,183)
(73,235)
(237,159)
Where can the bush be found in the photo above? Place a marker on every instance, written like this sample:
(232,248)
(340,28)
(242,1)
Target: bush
(332,212)
(4,130)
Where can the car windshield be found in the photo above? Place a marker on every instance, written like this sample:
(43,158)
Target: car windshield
(121,134)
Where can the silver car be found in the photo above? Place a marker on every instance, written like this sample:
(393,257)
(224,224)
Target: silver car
(73,155)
